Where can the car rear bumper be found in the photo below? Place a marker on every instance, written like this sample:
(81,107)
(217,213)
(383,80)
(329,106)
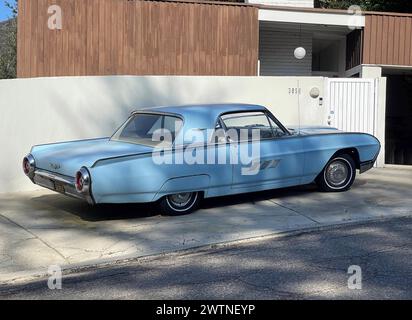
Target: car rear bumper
(61,184)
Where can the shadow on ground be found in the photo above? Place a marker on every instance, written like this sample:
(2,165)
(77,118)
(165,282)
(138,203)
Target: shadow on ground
(309,266)
(106,212)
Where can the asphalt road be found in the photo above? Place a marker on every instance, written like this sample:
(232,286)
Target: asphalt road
(307,266)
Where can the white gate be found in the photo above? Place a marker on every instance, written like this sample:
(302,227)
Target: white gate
(352,104)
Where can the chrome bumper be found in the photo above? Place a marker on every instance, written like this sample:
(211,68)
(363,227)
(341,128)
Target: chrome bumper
(365,166)
(59,183)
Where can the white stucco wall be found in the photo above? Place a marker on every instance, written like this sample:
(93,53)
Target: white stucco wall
(371,71)
(43,110)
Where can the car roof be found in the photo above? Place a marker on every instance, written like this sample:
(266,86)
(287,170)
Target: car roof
(214,109)
(204,115)
(201,116)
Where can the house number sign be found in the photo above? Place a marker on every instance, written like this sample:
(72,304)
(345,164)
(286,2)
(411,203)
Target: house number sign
(293,91)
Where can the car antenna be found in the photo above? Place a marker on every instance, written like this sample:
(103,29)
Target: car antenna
(299,124)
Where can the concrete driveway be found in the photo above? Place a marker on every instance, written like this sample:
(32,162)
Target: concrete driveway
(40,228)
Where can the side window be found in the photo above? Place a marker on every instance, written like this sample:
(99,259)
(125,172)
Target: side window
(241,126)
(173,125)
(157,125)
(219,135)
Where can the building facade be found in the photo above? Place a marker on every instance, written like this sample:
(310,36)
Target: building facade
(256,38)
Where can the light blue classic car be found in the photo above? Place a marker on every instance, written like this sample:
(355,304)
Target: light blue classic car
(175,156)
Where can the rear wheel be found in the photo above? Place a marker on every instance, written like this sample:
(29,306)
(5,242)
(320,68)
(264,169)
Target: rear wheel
(179,203)
(338,175)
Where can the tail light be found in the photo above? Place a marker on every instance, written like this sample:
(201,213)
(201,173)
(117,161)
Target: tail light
(82,180)
(29,165)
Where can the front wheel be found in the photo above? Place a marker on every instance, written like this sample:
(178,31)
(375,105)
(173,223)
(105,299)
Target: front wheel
(338,175)
(179,203)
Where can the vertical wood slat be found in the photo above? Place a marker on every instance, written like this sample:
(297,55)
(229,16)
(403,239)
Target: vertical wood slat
(367,37)
(32,40)
(396,37)
(21,36)
(402,40)
(391,42)
(385,39)
(379,39)
(354,47)
(388,39)
(408,42)
(373,42)
(104,37)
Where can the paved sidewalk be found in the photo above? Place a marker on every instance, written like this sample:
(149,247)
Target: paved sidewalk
(39,229)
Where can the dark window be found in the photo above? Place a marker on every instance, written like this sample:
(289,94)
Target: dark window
(141,128)
(245,125)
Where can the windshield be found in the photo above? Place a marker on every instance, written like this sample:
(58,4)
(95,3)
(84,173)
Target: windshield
(149,129)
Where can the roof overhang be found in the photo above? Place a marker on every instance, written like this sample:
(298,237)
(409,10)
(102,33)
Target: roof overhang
(313,17)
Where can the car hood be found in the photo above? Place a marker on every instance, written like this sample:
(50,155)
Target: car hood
(68,157)
(312,130)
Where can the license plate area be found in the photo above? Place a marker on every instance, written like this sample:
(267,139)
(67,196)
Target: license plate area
(59,187)
(44,182)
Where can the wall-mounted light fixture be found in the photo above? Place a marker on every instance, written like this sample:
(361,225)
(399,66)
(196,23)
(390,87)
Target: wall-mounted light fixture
(300,52)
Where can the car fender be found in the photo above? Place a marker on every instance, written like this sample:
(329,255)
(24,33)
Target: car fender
(320,148)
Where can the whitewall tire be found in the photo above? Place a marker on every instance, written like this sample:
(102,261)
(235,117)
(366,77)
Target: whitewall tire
(180,203)
(338,174)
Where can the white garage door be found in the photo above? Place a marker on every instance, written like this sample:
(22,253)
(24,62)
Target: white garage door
(352,104)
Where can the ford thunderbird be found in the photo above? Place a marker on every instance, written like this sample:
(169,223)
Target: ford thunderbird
(175,156)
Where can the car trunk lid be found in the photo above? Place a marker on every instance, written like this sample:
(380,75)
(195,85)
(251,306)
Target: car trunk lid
(68,157)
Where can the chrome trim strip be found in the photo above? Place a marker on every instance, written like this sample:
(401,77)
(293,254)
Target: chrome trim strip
(64,142)
(56,177)
(75,195)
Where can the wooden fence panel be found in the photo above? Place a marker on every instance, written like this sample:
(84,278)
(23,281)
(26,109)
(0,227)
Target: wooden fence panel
(119,37)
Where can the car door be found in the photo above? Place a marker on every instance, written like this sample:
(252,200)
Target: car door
(274,158)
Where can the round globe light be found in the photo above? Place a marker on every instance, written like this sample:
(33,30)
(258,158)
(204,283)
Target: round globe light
(300,53)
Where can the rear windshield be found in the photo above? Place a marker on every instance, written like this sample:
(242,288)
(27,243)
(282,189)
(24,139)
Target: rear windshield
(145,129)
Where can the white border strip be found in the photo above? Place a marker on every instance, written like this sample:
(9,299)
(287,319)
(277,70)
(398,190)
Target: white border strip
(333,19)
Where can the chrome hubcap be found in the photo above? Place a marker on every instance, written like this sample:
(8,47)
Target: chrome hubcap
(337,173)
(180,199)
